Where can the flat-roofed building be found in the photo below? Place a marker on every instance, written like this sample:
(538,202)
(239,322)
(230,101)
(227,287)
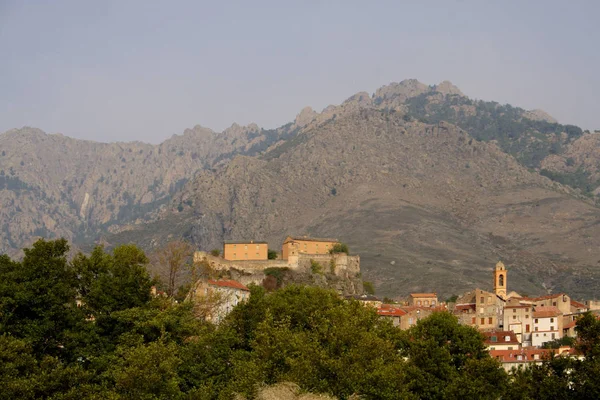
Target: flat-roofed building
(423,299)
(547,325)
(294,245)
(519,319)
(245,250)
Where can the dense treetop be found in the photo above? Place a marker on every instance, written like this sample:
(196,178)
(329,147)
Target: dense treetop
(89,329)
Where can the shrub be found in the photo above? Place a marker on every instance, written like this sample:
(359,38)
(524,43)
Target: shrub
(339,248)
(368,287)
(215,252)
(315,267)
(271,254)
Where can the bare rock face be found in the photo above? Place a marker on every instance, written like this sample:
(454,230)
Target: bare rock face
(540,115)
(429,187)
(446,87)
(53,185)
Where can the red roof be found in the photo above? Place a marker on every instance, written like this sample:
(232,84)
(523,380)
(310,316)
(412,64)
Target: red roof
(390,311)
(228,283)
(546,312)
(502,337)
(578,304)
(570,325)
(522,355)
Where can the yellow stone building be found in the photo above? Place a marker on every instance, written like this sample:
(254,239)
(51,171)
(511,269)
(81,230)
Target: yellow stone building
(294,245)
(245,250)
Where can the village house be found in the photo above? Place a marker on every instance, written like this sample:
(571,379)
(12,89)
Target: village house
(480,309)
(547,325)
(527,356)
(218,297)
(423,299)
(404,317)
(245,250)
(501,340)
(294,245)
(365,299)
(519,319)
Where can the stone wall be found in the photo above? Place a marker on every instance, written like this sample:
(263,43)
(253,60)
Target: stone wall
(345,277)
(344,265)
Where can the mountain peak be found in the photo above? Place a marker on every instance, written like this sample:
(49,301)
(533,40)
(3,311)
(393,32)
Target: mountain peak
(305,116)
(446,87)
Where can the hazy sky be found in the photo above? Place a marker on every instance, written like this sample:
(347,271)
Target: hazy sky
(144,70)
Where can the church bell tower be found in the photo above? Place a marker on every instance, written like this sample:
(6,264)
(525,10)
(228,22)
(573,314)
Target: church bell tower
(500,280)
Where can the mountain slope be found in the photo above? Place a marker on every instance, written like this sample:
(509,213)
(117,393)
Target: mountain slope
(426,206)
(52,185)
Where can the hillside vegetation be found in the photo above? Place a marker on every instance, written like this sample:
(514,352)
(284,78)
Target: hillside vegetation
(121,343)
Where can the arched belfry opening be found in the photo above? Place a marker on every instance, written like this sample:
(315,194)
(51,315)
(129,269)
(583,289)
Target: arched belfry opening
(500,280)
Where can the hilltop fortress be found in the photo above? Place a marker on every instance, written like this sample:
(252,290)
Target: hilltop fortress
(248,262)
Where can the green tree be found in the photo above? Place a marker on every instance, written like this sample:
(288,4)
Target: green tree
(37,296)
(124,284)
(339,248)
(449,360)
(368,287)
(271,254)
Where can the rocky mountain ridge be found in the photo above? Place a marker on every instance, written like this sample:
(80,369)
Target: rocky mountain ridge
(429,186)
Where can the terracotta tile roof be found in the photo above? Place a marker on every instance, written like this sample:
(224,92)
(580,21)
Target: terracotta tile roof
(423,295)
(523,355)
(546,311)
(502,337)
(521,306)
(310,239)
(228,283)
(578,304)
(388,310)
(570,325)
(244,242)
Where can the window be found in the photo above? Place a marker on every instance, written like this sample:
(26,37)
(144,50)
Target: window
(246,247)
(501,280)
(426,302)
(514,310)
(246,255)
(482,299)
(482,321)
(514,317)
(234,246)
(494,339)
(551,319)
(256,254)
(527,316)
(490,320)
(233,255)
(551,328)
(510,348)
(536,328)
(418,302)
(257,247)
(527,328)
(481,310)
(554,336)
(536,321)
(473,321)
(544,334)
(433,302)
(554,304)
(527,310)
